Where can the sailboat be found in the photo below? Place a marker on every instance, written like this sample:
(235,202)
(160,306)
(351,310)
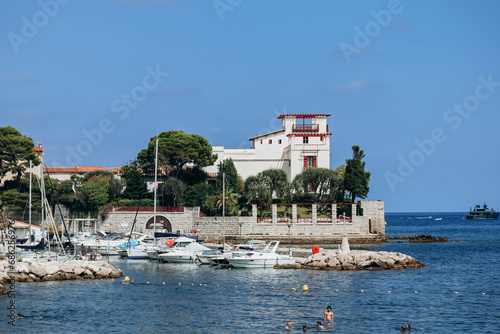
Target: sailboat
(140,250)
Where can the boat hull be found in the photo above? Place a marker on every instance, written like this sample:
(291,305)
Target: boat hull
(259,263)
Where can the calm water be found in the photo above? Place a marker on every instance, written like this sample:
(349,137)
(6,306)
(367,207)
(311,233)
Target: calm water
(468,265)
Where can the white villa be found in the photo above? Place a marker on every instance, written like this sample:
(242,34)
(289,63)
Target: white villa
(302,142)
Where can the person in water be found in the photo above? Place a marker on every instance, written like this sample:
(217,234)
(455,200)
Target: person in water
(318,324)
(408,327)
(328,317)
(304,327)
(402,329)
(288,325)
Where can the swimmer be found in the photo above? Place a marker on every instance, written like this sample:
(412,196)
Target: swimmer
(19,316)
(304,327)
(408,327)
(328,317)
(318,325)
(288,325)
(402,329)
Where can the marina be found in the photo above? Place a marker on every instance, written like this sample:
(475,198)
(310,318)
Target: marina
(451,294)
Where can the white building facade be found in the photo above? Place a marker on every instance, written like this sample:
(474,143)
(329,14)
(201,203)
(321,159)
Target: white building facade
(302,142)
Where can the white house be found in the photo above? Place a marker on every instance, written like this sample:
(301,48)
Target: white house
(302,142)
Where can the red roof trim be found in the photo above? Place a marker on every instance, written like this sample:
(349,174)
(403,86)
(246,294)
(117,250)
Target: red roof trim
(303,115)
(79,169)
(267,134)
(309,134)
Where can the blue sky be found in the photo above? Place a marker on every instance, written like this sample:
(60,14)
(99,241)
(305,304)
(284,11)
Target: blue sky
(416,84)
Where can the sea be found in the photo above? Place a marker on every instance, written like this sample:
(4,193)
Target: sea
(458,292)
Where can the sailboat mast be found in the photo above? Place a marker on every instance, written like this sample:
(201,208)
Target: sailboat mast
(155,190)
(223,210)
(29,215)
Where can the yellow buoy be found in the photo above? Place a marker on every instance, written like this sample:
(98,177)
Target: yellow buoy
(416,291)
(293,289)
(362,290)
(336,290)
(389,291)
(456,292)
(253,287)
(126,279)
(305,288)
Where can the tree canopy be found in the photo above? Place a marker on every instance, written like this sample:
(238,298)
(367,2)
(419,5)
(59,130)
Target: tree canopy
(232,182)
(16,150)
(175,150)
(356,179)
(323,182)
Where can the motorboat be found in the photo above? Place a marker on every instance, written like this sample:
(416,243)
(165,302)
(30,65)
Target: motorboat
(221,258)
(268,257)
(482,213)
(183,254)
(206,256)
(110,244)
(180,242)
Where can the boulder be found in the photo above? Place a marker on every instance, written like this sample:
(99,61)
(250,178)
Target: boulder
(51,268)
(38,269)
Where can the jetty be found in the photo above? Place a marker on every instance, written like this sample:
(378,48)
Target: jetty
(356,260)
(55,271)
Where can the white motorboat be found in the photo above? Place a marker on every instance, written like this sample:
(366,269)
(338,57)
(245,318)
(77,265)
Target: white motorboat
(183,254)
(220,259)
(109,244)
(264,259)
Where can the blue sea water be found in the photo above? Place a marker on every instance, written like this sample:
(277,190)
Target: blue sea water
(185,298)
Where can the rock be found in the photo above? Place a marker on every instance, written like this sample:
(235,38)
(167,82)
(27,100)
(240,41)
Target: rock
(358,260)
(48,278)
(51,268)
(22,268)
(2,290)
(38,270)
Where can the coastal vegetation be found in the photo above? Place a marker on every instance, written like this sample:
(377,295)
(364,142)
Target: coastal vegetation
(182,182)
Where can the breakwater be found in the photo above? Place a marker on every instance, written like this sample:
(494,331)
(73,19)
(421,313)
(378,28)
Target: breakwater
(56,271)
(356,260)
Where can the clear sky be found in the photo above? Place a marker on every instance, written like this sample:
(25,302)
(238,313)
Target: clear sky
(416,84)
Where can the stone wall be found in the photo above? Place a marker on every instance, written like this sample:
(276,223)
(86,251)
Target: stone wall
(370,225)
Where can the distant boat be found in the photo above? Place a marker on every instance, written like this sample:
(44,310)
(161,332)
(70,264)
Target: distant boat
(482,213)
(438,219)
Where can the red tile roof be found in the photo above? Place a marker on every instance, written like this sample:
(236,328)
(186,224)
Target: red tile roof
(79,169)
(303,115)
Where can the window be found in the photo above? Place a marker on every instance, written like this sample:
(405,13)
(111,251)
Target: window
(279,141)
(270,141)
(261,141)
(310,161)
(305,140)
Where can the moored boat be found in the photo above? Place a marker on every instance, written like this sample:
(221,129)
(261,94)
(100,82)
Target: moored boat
(267,258)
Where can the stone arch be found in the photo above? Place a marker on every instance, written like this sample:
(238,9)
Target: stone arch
(162,223)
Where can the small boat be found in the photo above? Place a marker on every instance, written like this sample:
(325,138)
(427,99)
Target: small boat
(267,258)
(482,213)
(183,254)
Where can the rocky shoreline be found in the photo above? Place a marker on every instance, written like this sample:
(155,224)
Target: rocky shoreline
(422,238)
(55,271)
(356,260)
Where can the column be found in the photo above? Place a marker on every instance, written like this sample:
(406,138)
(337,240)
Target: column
(294,213)
(314,213)
(274,208)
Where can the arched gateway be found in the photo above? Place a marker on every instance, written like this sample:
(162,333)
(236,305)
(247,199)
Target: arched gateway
(162,223)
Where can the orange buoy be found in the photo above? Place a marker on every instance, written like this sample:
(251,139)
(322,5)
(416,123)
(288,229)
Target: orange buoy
(315,249)
(169,242)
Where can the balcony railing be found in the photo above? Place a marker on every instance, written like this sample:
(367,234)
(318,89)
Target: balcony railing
(305,127)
